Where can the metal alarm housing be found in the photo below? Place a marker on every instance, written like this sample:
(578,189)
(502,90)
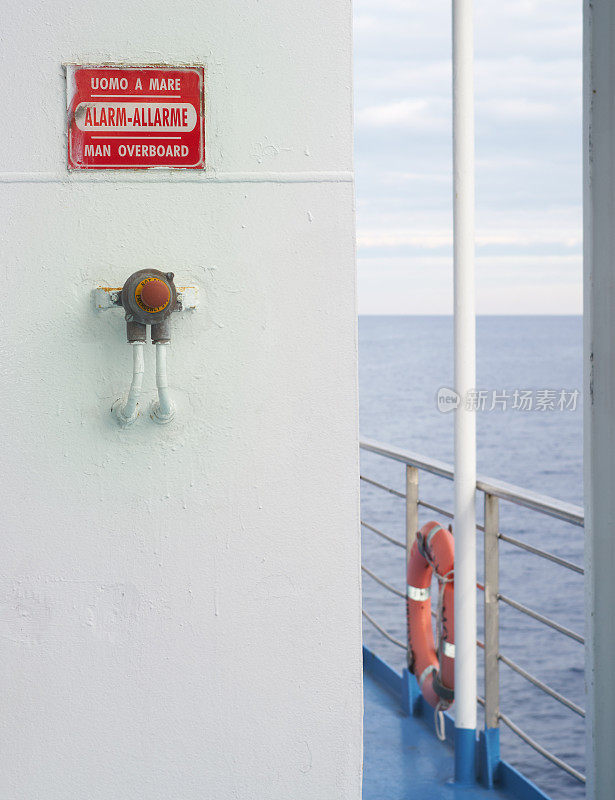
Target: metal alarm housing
(149,297)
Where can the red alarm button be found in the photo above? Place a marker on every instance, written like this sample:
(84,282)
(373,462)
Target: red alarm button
(155,294)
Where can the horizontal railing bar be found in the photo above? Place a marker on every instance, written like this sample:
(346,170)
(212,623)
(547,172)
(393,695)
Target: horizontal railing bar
(386,634)
(540,749)
(540,618)
(444,512)
(542,553)
(480,700)
(543,686)
(382,486)
(384,535)
(383,583)
(437,509)
(568,512)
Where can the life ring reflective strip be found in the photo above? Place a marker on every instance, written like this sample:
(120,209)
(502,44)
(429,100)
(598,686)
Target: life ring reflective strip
(433,550)
(414,593)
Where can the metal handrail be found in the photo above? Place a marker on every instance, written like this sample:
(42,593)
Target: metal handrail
(540,685)
(505,491)
(383,534)
(542,553)
(406,457)
(384,632)
(383,583)
(542,750)
(540,618)
(382,486)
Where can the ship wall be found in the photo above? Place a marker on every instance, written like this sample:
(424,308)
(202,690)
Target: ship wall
(179,605)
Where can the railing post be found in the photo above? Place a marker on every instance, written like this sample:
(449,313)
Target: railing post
(490,740)
(412,518)
(412,507)
(492,623)
(411,691)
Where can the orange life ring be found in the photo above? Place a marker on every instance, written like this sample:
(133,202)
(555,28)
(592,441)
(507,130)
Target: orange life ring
(433,549)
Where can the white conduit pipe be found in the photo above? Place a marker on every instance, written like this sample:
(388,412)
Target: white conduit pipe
(465,382)
(127,412)
(164,410)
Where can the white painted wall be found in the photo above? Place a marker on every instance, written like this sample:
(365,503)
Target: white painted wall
(179,607)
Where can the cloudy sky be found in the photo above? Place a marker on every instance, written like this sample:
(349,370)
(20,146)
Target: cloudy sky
(528,156)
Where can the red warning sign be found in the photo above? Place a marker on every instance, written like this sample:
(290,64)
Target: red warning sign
(135,117)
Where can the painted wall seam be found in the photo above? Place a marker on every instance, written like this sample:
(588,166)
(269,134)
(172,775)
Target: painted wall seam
(164,176)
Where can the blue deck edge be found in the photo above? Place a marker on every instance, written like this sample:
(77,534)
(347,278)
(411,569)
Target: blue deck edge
(489,768)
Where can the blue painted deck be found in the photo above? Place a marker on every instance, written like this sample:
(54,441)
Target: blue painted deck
(403,759)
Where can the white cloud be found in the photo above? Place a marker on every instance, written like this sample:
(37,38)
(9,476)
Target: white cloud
(505,285)
(528,130)
(522,108)
(417,114)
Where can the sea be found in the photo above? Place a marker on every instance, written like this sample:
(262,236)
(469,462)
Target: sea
(528,402)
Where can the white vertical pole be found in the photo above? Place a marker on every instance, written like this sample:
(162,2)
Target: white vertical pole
(599,390)
(465,381)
